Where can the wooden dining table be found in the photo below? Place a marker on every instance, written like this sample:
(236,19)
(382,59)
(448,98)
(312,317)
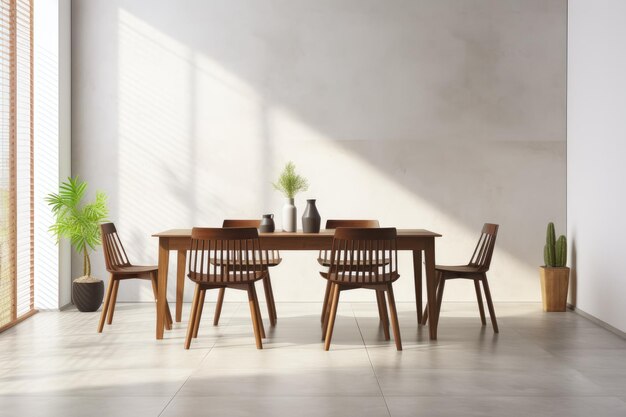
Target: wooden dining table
(414,240)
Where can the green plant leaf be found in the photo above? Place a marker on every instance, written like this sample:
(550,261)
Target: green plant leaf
(80,224)
(290,183)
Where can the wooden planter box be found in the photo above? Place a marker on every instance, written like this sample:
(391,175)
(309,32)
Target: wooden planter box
(554,285)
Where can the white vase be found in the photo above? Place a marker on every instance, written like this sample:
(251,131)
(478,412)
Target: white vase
(289,216)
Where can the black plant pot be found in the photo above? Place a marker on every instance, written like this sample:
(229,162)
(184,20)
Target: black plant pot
(87,296)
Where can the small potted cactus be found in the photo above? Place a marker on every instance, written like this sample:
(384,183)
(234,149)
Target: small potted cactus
(554,274)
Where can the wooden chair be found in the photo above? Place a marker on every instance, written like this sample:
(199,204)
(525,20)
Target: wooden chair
(475,270)
(225,258)
(120,268)
(363,258)
(324,256)
(273,259)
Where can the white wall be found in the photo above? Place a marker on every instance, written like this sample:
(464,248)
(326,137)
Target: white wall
(433,114)
(596,147)
(52,153)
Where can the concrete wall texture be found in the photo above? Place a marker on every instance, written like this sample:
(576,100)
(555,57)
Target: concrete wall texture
(595,154)
(427,114)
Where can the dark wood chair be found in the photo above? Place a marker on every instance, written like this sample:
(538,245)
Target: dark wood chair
(272,258)
(225,258)
(363,258)
(324,256)
(120,268)
(475,270)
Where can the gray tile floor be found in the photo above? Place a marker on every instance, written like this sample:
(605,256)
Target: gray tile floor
(556,364)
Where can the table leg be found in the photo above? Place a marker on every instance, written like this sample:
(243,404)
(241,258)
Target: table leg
(164,258)
(431,288)
(417,273)
(181,263)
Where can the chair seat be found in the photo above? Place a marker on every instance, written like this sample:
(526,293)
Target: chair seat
(459,269)
(274,262)
(134,269)
(379,278)
(231,278)
(374,262)
(271,262)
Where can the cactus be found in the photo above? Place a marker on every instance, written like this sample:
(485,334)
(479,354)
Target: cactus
(555,251)
(561,251)
(548,255)
(550,235)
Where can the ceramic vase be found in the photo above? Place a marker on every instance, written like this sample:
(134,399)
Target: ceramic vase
(267,224)
(289,216)
(311,218)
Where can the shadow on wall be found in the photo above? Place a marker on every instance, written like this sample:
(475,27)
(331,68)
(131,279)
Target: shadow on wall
(433,114)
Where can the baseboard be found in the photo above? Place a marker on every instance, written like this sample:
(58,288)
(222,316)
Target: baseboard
(597,321)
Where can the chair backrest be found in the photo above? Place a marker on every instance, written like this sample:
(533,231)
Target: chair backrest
(241,223)
(363,255)
(335,223)
(272,256)
(114,253)
(227,254)
(481,258)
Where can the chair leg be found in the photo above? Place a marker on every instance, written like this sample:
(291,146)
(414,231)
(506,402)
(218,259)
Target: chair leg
(332,315)
(269,281)
(326,311)
(181,262)
(168,314)
(116,286)
(325,303)
(479,298)
(218,306)
(196,325)
(252,301)
(492,311)
(425,313)
(394,317)
(258,312)
(269,299)
(382,313)
(192,316)
(440,287)
(105,308)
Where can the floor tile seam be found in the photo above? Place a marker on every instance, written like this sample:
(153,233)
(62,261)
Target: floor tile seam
(295,395)
(370,361)
(299,369)
(582,394)
(85,396)
(473,396)
(197,368)
(77,395)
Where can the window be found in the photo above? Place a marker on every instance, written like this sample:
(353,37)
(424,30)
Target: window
(16,162)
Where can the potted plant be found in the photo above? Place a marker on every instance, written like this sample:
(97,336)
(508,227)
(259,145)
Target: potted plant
(80,223)
(554,274)
(289,183)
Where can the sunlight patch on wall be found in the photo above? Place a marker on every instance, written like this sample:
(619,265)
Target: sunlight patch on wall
(198,144)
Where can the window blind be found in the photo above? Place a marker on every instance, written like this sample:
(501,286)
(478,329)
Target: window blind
(16,161)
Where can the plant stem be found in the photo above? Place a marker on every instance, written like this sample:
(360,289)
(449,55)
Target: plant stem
(86,263)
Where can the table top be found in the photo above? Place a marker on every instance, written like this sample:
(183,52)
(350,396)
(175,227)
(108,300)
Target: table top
(324,233)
